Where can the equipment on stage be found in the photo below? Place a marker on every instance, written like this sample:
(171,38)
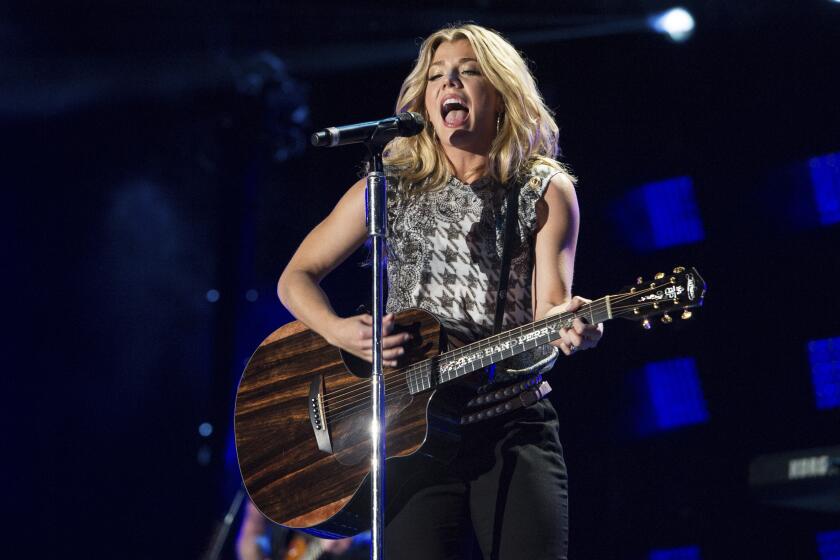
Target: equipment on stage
(303,415)
(375,136)
(804,479)
(381,132)
(305,547)
(222,530)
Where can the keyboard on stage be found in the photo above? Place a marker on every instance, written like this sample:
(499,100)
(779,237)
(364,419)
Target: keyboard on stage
(805,479)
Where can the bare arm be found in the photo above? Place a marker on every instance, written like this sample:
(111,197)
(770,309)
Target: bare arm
(558,220)
(323,249)
(327,246)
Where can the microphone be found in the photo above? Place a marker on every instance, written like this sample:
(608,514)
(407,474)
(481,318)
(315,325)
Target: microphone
(403,124)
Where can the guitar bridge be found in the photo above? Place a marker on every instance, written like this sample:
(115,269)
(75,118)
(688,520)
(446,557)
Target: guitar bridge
(317,414)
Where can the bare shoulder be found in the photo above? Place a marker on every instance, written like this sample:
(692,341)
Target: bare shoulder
(561,185)
(355,195)
(349,211)
(559,200)
(336,237)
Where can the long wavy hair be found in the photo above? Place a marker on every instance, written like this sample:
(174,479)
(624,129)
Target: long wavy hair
(527,132)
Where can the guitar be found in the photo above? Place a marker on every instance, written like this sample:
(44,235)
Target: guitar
(304,547)
(303,412)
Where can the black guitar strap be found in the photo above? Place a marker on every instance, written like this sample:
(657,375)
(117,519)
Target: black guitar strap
(511,217)
(493,400)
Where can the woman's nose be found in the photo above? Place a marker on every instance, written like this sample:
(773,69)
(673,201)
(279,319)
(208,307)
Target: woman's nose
(452,78)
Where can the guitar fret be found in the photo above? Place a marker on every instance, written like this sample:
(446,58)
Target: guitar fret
(471,357)
(481,354)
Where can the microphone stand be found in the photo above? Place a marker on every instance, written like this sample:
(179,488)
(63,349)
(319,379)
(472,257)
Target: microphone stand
(220,535)
(377,227)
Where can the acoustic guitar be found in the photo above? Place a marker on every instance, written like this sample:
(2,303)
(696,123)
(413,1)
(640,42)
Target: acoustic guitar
(303,412)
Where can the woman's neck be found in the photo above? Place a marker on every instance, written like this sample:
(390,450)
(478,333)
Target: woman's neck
(466,166)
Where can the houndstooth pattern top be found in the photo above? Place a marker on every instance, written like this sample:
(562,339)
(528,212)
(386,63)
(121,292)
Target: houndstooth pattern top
(445,251)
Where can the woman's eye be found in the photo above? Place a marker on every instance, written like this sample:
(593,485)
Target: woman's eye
(471,71)
(434,77)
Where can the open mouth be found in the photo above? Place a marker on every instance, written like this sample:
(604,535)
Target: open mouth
(454,111)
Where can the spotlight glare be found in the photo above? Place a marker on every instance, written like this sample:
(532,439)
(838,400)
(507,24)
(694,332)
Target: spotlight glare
(677,23)
(205,429)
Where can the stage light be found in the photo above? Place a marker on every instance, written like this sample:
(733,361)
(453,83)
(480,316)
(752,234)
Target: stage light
(300,115)
(828,545)
(212,296)
(663,396)
(658,215)
(205,429)
(805,193)
(677,23)
(825,181)
(675,393)
(825,371)
(682,553)
(252,295)
(204,455)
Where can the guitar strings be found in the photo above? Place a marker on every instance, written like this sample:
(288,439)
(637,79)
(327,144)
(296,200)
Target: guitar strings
(336,401)
(411,372)
(360,405)
(338,409)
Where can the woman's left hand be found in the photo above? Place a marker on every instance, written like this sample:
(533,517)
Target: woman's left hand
(581,336)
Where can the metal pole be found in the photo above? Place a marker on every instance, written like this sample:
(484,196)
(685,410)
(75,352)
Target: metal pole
(220,535)
(377,231)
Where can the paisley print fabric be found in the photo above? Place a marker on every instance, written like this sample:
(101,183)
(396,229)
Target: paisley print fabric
(444,255)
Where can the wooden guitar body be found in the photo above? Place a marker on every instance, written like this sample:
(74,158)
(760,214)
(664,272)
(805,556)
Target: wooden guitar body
(316,480)
(303,412)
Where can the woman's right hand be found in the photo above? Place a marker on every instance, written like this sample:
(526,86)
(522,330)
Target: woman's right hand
(355,335)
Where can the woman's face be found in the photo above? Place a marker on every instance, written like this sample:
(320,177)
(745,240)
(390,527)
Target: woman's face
(461,103)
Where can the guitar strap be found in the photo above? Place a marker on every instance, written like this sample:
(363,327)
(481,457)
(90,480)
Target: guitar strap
(510,230)
(497,399)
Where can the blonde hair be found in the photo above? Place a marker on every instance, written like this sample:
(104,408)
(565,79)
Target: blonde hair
(527,132)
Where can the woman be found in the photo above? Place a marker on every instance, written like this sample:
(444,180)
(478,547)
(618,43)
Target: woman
(488,131)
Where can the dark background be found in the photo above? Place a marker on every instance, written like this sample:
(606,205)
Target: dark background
(151,154)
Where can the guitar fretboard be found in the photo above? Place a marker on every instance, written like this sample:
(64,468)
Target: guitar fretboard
(467,359)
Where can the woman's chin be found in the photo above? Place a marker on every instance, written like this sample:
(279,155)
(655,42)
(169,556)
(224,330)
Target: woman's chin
(468,140)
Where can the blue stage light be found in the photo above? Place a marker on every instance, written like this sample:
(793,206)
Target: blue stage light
(673,213)
(803,194)
(659,215)
(828,545)
(675,393)
(825,181)
(677,23)
(663,396)
(825,371)
(682,553)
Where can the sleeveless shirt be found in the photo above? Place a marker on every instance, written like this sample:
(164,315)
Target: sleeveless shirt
(445,252)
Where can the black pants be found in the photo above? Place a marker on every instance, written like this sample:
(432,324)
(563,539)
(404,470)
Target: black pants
(506,491)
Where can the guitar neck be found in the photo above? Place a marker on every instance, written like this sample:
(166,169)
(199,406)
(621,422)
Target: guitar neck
(471,357)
